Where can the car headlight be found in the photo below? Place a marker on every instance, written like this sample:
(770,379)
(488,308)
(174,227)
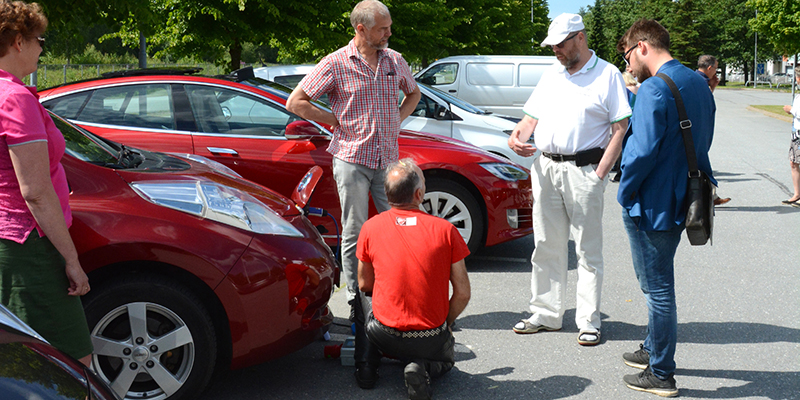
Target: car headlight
(218,203)
(506,172)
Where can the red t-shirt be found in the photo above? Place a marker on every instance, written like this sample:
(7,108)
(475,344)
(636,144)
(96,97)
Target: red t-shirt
(411,253)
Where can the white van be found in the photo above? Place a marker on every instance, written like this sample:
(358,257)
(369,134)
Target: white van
(498,84)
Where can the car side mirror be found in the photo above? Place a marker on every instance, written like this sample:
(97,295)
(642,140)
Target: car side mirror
(442,113)
(302,130)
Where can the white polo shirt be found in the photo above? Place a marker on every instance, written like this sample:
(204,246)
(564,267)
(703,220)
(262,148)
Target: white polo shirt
(575,112)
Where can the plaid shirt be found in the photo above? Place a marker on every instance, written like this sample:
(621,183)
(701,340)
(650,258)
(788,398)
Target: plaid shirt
(364,102)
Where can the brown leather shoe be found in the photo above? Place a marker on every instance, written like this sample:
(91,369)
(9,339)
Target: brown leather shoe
(720,201)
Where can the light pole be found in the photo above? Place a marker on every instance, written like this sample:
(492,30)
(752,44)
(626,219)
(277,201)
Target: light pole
(755,59)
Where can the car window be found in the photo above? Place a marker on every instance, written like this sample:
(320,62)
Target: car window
(141,106)
(442,74)
(454,100)
(426,107)
(67,106)
(289,80)
(529,74)
(219,110)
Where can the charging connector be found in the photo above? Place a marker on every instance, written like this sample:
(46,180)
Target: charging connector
(316,212)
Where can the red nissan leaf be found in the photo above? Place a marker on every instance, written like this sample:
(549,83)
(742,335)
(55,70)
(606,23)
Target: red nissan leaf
(192,268)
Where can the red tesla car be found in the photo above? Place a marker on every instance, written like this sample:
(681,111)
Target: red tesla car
(192,269)
(241,121)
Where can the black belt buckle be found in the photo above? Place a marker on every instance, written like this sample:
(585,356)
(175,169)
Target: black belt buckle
(557,157)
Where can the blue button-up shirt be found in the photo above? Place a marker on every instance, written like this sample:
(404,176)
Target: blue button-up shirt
(654,166)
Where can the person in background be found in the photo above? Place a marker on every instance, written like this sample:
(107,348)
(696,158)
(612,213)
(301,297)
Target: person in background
(361,80)
(707,66)
(41,279)
(407,260)
(578,115)
(653,189)
(794,148)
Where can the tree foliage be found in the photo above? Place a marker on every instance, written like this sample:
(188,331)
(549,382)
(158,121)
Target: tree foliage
(779,22)
(697,27)
(301,30)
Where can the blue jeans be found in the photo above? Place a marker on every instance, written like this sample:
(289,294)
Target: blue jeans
(653,254)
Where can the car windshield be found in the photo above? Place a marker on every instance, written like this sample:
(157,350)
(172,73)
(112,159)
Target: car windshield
(454,100)
(85,146)
(90,148)
(279,90)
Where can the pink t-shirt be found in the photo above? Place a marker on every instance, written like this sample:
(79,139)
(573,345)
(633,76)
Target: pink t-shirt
(23,120)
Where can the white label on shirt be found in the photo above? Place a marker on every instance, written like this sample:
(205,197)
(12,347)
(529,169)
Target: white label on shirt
(411,221)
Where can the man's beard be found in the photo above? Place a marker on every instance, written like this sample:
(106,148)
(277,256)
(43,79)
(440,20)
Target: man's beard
(641,72)
(568,62)
(379,46)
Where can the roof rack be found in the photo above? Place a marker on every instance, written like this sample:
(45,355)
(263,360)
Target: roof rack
(152,71)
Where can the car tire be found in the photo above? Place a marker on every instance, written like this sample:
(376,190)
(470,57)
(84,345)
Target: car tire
(451,201)
(152,337)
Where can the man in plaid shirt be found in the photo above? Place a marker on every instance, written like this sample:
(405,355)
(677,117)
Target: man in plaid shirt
(362,81)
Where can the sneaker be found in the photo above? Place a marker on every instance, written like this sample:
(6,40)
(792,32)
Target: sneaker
(645,381)
(638,359)
(526,326)
(418,381)
(366,376)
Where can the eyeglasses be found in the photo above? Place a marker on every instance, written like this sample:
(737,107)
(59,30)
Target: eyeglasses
(40,40)
(625,56)
(564,42)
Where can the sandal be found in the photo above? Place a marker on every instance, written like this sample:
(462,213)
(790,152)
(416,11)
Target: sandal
(525,326)
(589,338)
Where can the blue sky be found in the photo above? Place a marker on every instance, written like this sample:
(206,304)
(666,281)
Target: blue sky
(567,6)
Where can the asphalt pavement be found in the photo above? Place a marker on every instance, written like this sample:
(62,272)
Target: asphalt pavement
(738,307)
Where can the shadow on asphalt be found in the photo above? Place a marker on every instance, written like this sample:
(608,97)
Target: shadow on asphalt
(753,384)
(709,332)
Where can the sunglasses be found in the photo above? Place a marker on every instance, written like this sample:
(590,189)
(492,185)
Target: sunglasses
(564,42)
(627,54)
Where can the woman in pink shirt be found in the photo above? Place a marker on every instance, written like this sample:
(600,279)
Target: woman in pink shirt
(41,279)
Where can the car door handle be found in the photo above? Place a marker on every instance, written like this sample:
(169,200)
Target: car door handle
(220,150)
(452,91)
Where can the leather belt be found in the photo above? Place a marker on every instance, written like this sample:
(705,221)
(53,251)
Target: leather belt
(581,158)
(559,157)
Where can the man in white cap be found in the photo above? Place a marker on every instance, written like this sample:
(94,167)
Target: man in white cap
(578,115)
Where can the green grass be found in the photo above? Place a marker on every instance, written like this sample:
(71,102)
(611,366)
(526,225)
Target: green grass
(771,109)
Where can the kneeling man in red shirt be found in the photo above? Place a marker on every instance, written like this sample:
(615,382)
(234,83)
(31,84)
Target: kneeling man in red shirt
(407,260)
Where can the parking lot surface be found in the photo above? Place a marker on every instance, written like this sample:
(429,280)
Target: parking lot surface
(738,308)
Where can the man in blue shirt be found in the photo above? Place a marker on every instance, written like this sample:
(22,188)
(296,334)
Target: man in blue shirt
(653,188)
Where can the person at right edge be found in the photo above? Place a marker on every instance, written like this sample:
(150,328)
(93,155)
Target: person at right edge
(794,149)
(653,188)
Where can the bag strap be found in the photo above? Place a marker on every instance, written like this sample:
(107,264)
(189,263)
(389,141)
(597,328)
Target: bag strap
(686,125)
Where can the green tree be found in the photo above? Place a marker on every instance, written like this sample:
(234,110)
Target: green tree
(779,22)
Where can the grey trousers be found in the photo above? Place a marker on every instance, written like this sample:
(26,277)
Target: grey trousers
(355,183)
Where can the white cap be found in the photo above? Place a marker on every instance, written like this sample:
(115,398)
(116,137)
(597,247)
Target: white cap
(561,27)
